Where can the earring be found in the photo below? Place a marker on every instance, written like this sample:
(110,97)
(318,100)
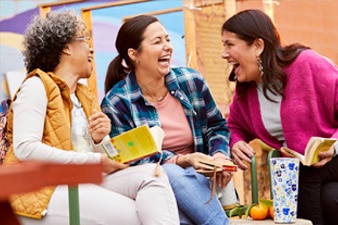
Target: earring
(137,61)
(260,66)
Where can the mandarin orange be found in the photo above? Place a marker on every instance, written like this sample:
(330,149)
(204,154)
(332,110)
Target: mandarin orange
(259,212)
(271,213)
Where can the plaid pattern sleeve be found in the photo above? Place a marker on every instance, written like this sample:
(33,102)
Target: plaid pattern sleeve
(126,108)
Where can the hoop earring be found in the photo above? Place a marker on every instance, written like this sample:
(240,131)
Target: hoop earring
(260,66)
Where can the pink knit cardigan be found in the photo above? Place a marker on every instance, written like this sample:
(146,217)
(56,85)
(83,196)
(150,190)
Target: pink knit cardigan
(310,106)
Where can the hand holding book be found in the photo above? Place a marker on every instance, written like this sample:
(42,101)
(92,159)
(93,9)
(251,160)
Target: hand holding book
(315,146)
(135,144)
(208,166)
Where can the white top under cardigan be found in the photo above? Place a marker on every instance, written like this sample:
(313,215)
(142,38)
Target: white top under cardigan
(29,124)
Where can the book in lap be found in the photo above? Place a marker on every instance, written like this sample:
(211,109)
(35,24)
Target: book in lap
(315,146)
(135,144)
(208,166)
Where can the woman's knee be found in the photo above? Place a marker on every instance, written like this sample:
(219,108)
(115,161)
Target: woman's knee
(329,195)
(329,202)
(172,170)
(179,176)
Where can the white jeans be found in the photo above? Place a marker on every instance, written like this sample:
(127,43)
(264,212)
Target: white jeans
(130,196)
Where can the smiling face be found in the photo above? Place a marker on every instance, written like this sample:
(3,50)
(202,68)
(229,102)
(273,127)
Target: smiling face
(242,56)
(154,56)
(82,54)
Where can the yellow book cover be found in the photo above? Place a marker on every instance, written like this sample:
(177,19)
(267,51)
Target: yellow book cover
(315,146)
(136,143)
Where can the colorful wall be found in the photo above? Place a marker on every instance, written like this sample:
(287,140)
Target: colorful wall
(15,15)
(313,22)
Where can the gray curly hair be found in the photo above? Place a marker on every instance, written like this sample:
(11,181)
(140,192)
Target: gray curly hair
(45,38)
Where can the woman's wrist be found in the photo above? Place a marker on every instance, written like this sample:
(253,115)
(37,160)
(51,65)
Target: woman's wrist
(99,142)
(181,161)
(177,158)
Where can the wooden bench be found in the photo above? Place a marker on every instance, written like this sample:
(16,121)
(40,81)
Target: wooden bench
(31,176)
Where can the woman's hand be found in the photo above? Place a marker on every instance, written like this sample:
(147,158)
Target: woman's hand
(224,177)
(193,159)
(99,126)
(110,166)
(242,153)
(324,157)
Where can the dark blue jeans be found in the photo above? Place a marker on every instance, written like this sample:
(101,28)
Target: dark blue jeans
(318,194)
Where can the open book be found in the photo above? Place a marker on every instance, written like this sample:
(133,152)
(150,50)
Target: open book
(135,144)
(315,146)
(209,165)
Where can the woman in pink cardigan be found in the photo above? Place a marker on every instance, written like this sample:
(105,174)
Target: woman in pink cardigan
(284,95)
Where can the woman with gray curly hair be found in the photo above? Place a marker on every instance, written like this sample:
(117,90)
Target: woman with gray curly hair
(54,118)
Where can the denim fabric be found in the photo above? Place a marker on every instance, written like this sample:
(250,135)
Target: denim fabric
(192,191)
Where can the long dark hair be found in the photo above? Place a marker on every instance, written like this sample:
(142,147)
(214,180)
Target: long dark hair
(249,25)
(130,35)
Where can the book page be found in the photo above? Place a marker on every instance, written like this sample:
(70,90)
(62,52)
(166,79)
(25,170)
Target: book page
(322,146)
(292,153)
(314,146)
(158,135)
(310,149)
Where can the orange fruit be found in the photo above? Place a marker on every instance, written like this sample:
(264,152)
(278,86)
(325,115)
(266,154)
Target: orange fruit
(259,212)
(271,212)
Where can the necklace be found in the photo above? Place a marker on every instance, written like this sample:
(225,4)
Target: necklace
(160,98)
(155,98)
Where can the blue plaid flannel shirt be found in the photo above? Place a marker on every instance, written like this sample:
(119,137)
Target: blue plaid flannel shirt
(127,109)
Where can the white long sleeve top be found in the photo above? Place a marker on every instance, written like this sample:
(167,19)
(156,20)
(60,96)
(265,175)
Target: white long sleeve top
(28,123)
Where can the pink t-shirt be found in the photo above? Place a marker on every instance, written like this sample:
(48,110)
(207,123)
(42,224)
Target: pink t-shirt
(178,135)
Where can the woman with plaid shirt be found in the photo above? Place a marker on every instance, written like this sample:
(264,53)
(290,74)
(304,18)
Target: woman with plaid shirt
(142,88)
